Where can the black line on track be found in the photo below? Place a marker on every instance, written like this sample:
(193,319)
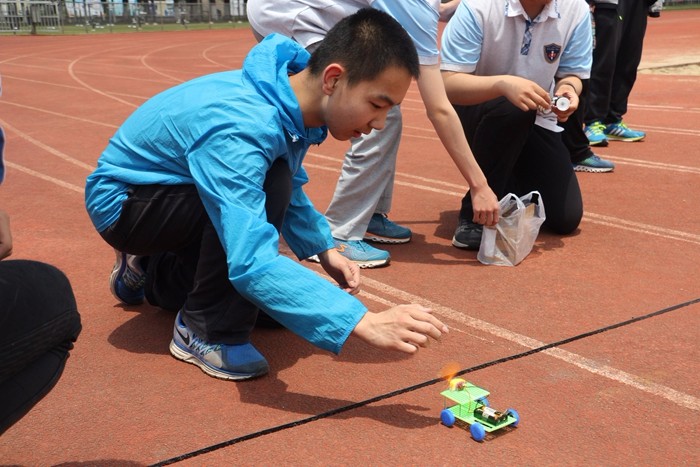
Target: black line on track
(415,387)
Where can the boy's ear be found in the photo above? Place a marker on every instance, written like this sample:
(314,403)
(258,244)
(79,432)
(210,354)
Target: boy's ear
(331,75)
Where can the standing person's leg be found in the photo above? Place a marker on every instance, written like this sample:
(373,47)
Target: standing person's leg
(633,28)
(367,178)
(544,165)
(496,131)
(582,157)
(364,192)
(380,229)
(40,321)
(607,36)
(573,135)
(368,167)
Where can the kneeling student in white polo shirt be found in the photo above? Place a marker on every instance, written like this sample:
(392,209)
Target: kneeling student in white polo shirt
(503,63)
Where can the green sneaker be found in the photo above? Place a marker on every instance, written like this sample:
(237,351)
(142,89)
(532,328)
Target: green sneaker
(621,132)
(595,132)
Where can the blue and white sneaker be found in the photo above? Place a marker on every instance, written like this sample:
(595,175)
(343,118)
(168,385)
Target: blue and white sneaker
(382,230)
(127,279)
(594,164)
(362,253)
(595,132)
(230,362)
(621,132)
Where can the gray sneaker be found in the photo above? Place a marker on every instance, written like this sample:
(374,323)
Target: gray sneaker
(382,230)
(468,235)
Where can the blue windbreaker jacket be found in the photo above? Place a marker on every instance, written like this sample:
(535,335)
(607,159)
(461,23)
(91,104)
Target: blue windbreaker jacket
(222,132)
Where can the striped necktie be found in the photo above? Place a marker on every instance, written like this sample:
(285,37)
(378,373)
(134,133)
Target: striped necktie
(527,37)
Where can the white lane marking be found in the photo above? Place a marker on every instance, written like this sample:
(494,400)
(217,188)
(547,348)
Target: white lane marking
(48,178)
(642,228)
(58,114)
(46,148)
(652,164)
(587,364)
(74,76)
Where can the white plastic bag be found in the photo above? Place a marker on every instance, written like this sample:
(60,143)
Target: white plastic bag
(512,239)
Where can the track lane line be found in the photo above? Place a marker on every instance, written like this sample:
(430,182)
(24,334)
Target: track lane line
(47,178)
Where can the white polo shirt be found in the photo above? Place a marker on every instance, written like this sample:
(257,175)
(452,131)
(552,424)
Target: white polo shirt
(490,37)
(308,21)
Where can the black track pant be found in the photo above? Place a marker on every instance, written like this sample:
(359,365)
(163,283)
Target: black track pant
(39,321)
(187,268)
(574,136)
(518,156)
(618,51)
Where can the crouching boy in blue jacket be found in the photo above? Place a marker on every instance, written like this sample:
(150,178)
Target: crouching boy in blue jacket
(195,188)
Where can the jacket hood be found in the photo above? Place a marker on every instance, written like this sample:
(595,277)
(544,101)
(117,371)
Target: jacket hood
(268,67)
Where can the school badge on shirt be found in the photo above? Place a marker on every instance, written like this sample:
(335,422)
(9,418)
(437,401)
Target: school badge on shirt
(551,52)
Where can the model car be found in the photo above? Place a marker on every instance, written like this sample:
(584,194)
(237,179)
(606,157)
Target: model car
(470,407)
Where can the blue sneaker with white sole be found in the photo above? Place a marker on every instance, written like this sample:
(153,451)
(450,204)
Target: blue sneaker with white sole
(223,361)
(621,132)
(594,164)
(360,252)
(595,132)
(127,279)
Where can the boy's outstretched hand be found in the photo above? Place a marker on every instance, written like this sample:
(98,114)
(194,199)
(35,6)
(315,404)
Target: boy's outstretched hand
(404,327)
(345,272)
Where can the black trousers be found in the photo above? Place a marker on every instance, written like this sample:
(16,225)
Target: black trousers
(187,268)
(618,51)
(518,156)
(574,136)
(39,321)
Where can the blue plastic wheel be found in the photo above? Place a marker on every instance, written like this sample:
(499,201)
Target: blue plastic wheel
(478,431)
(447,417)
(484,401)
(514,413)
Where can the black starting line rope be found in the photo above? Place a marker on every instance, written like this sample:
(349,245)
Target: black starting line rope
(415,387)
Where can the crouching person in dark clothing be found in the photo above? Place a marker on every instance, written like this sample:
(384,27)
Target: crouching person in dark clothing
(40,321)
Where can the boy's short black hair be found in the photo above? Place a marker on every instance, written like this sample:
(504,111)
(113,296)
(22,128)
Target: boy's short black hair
(366,43)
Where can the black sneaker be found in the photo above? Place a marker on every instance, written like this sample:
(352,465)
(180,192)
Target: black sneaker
(468,235)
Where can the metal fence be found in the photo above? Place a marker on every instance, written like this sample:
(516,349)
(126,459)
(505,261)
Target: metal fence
(60,16)
(32,17)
